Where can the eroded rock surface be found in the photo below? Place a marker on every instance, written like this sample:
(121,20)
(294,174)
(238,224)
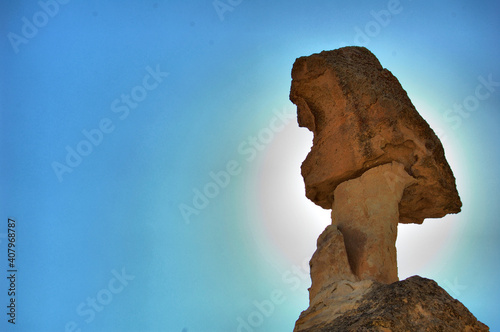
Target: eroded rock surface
(414,304)
(361,118)
(375,162)
(365,211)
(330,262)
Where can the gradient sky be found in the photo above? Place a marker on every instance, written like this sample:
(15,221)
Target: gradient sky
(211,113)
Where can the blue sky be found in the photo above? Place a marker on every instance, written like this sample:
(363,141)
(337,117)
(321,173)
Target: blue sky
(163,100)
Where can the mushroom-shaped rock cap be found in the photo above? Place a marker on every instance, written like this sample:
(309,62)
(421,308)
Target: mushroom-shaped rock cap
(361,118)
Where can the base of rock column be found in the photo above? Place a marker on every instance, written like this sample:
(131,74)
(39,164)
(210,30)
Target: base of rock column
(414,304)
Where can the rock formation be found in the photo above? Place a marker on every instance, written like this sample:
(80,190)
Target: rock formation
(376,163)
(362,118)
(414,304)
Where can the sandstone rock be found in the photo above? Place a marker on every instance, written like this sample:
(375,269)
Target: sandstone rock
(415,304)
(332,302)
(366,212)
(329,263)
(375,162)
(362,118)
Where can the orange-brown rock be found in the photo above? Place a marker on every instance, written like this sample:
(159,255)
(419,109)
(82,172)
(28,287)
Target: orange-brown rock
(361,118)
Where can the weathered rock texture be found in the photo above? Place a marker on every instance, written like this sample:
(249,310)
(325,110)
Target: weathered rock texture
(415,304)
(329,263)
(340,301)
(375,162)
(366,211)
(362,118)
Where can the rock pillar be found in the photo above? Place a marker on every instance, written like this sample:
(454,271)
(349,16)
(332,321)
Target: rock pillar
(366,212)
